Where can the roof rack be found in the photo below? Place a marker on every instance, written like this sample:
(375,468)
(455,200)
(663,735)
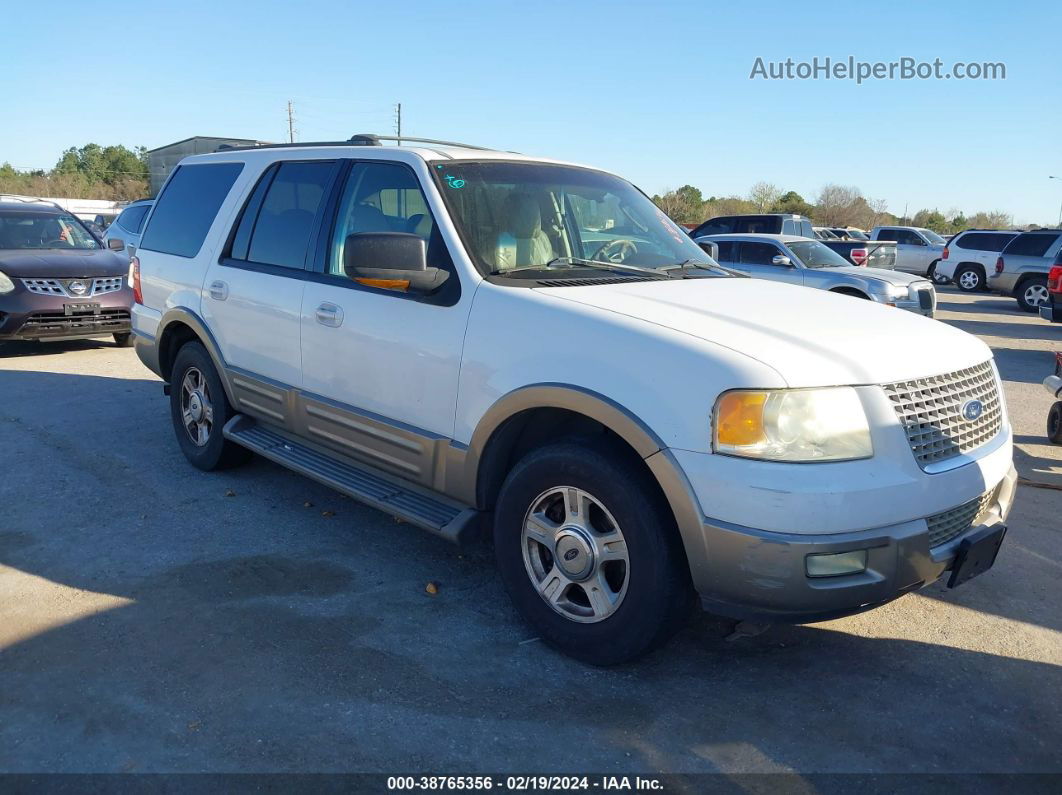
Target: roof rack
(358,139)
(29,200)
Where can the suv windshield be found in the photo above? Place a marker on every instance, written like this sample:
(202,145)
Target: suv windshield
(533,215)
(815,255)
(37,230)
(933,237)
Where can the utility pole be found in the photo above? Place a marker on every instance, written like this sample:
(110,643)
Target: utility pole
(291,123)
(398,122)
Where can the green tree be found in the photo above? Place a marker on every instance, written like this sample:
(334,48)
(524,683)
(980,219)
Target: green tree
(792,202)
(110,165)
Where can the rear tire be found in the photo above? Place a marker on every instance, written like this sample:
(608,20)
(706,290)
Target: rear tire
(199,409)
(1032,293)
(1054,423)
(124,340)
(970,278)
(605,581)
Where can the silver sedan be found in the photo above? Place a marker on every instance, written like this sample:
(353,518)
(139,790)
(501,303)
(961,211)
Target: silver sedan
(801,260)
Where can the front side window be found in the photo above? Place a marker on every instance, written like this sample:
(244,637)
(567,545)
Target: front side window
(187,206)
(385,197)
(42,230)
(814,254)
(758,253)
(536,215)
(933,237)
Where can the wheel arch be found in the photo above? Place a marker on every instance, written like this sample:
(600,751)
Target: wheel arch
(178,327)
(854,292)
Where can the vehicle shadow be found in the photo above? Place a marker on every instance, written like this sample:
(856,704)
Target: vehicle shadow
(1016,331)
(164,619)
(14,350)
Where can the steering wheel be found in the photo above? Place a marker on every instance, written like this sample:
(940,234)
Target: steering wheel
(616,251)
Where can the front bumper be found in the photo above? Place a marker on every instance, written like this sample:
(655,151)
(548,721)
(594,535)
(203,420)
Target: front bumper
(31,316)
(757,575)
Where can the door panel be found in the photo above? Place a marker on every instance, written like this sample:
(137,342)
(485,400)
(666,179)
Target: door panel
(382,352)
(755,260)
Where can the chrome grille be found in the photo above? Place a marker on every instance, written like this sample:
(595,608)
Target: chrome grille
(44,286)
(927,298)
(930,411)
(100,286)
(946,525)
(107,285)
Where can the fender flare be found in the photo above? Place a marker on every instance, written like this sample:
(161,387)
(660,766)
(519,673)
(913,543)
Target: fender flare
(181,314)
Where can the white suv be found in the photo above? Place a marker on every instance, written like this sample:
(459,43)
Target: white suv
(467,338)
(970,256)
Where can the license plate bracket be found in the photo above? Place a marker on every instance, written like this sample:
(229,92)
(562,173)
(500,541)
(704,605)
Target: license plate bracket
(81,309)
(976,554)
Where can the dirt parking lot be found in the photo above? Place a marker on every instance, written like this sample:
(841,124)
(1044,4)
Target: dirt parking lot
(157,618)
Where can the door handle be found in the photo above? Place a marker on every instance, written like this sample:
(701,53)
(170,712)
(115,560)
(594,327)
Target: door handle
(219,290)
(329,315)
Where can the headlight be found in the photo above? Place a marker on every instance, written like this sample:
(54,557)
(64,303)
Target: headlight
(792,425)
(897,292)
(6,285)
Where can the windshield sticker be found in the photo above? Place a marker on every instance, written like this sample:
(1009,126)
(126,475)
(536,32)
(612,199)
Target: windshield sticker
(454,182)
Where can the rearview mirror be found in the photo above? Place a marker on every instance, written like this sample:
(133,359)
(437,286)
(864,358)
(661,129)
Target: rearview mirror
(781,259)
(393,260)
(116,244)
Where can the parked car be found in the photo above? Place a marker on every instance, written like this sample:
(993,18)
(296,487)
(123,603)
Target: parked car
(762,223)
(797,260)
(848,232)
(821,233)
(970,256)
(467,338)
(871,253)
(1052,308)
(918,250)
(1022,267)
(1053,384)
(124,233)
(57,281)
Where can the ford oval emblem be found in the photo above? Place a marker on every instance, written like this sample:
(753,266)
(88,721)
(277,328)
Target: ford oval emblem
(571,554)
(972,409)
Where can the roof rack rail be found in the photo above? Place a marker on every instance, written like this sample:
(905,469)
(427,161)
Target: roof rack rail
(359,139)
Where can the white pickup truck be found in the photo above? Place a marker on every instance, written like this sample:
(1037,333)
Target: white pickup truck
(470,339)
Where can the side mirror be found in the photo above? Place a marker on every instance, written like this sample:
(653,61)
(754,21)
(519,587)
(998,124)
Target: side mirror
(781,259)
(392,260)
(709,248)
(116,244)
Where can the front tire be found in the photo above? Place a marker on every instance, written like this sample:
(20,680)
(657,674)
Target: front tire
(970,278)
(1032,293)
(1054,423)
(199,409)
(588,551)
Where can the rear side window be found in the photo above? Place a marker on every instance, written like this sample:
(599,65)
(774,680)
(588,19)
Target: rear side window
(279,219)
(1031,245)
(757,224)
(187,206)
(983,241)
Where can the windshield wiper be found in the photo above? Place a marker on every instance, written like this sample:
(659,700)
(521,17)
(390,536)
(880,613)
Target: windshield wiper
(685,265)
(588,263)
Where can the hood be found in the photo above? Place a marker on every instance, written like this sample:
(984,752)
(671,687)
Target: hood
(60,264)
(898,278)
(810,337)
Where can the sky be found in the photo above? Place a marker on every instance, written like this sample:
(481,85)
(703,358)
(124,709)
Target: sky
(657,92)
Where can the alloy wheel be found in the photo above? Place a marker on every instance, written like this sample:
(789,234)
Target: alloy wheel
(1036,294)
(197,411)
(575,554)
(970,280)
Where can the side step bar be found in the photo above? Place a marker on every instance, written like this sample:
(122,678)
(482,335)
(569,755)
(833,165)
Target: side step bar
(409,503)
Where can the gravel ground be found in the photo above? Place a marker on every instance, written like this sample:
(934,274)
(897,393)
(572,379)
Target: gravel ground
(156,618)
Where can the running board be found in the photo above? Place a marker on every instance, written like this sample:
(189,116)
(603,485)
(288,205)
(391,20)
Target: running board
(417,506)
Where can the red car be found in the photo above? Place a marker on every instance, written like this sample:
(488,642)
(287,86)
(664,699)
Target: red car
(57,280)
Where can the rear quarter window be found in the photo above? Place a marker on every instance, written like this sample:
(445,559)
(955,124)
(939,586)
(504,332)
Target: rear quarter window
(187,206)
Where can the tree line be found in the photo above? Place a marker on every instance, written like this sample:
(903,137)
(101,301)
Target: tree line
(835,205)
(87,172)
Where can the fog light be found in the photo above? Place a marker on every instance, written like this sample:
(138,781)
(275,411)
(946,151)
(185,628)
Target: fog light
(836,564)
